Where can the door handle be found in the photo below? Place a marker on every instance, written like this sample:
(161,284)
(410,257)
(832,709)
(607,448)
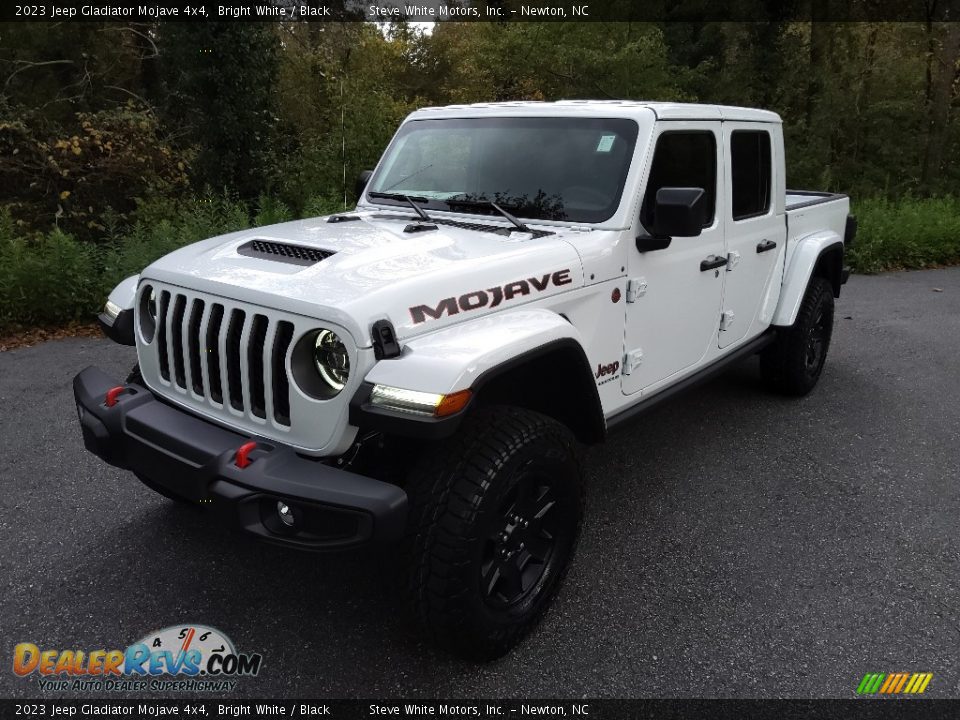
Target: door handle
(712,263)
(765,245)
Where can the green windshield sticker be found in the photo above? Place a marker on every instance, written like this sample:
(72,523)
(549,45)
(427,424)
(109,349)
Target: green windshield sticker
(606,143)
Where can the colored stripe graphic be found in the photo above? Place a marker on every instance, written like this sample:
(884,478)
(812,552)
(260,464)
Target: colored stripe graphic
(894,683)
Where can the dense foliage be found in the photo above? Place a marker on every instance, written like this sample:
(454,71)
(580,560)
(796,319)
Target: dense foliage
(120,141)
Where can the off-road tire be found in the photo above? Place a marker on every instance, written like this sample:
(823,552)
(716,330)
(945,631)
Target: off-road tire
(793,363)
(503,463)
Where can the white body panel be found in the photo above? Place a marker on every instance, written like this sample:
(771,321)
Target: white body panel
(453,358)
(674,325)
(752,279)
(377,271)
(124,294)
(810,229)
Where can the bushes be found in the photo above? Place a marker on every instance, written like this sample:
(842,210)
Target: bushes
(53,278)
(910,233)
(95,167)
(48,280)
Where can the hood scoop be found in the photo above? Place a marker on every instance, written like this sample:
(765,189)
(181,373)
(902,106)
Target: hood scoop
(284,252)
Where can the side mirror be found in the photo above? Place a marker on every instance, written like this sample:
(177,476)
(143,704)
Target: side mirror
(362,179)
(679,212)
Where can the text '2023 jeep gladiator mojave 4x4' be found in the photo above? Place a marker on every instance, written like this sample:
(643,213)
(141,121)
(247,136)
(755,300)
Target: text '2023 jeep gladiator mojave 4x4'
(417,373)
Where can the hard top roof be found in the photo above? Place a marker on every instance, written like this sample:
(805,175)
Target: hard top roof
(662,110)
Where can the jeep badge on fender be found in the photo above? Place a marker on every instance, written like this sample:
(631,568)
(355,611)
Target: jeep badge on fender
(416,374)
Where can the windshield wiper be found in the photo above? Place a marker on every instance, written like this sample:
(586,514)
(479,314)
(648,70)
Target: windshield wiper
(411,200)
(489,203)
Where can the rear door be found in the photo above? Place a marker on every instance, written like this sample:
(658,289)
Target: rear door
(673,309)
(755,229)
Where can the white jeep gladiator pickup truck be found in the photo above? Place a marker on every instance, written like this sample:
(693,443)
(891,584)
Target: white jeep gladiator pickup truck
(516,280)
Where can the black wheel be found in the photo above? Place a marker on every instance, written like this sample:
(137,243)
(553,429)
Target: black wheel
(495,517)
(794,362)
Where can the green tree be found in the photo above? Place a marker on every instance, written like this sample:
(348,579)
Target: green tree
(219,84)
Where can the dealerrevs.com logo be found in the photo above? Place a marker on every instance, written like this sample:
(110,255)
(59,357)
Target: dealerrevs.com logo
(178,658)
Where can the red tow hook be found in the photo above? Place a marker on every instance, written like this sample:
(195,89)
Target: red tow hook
(243,453)
(112,393)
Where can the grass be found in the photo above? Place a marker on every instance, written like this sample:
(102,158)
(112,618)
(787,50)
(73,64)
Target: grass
(52,279)
(910,233)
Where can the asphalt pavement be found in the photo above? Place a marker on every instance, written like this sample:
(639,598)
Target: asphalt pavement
(737,544)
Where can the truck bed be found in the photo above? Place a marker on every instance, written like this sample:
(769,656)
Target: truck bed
(809,212)
(803,198)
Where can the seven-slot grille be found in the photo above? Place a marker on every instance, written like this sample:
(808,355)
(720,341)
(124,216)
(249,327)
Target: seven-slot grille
(228,356)
(284,252)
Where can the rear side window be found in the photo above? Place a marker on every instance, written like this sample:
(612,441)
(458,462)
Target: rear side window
(750,172)
(682,159)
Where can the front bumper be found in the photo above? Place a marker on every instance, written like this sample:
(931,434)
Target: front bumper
(333,509)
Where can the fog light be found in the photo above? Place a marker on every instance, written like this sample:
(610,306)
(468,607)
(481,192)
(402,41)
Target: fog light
(285,513)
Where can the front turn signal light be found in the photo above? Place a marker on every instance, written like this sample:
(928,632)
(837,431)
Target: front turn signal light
(420,403)
(453,403)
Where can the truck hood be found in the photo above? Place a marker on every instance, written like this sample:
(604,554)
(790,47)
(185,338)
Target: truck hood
(420,281)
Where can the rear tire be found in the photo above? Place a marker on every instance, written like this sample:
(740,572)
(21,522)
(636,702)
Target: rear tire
(794,362)
(495,515)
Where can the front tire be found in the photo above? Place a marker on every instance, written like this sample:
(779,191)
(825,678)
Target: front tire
(494,521)
(794,362)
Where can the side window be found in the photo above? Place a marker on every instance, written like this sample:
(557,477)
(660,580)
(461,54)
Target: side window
(682,159)
(750,172)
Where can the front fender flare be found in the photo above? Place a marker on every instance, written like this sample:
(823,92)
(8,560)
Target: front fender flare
(462,357)
(454,358)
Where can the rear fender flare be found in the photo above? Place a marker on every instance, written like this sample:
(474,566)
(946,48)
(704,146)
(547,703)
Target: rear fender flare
(801,263)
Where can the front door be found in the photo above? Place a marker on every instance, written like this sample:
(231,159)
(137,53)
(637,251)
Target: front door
(674,315)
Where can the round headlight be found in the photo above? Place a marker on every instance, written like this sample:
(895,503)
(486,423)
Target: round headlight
(331,359)
(147,314)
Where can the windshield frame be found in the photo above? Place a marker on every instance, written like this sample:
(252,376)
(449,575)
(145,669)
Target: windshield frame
(635,136)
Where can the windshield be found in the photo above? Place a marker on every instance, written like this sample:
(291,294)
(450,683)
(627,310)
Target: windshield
(570,169)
